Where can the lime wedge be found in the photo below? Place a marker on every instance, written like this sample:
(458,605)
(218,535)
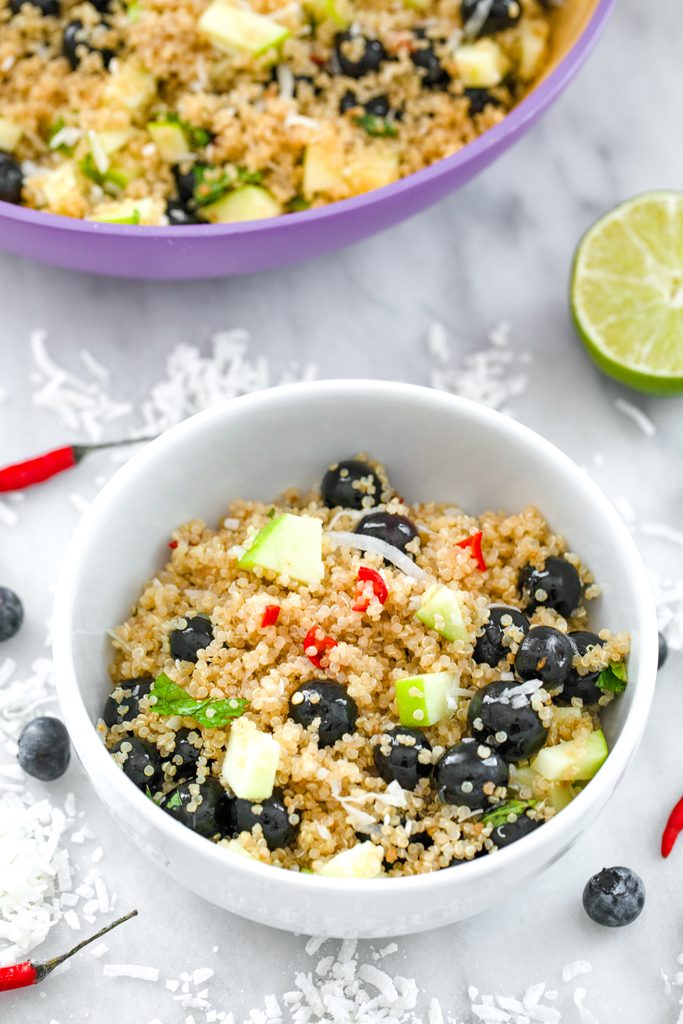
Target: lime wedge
(627,292)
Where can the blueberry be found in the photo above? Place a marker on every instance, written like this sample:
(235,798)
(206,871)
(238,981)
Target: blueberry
(503,14)
(393,529)
(44,749)
(271,814)
(614,897)
(185,755)
(11,179)
(46,7)
(126,707)
(186,643)
(577,685)
(490,648)
(467,775)
(510,831)
(433,74)
(140,762)
(209,815)
(76,43)
(661,657)
(11,608)
(327,707)
(545,654)
(351,484)
(402,762)
(480,99)
(185,183)
(517,733)
(558,580)
(179,214)
(348,101)
(356,55)
(378,106)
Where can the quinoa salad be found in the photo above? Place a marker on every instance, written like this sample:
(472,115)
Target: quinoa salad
(346,684)
(182,112)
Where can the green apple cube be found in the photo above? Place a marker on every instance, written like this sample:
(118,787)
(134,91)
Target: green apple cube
(290,546)
(251,202)
(574,760)
(339,12)
(251,760)
(423,700)
(235,846)
(364,860)
(441,610)
(481,65)
(10,133)
(561,795)
(236,28)
(170,141)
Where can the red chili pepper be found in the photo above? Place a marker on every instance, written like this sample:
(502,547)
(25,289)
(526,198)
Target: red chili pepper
(473,542)
(35,471)
(28,973)
(271,614)
(173,544)
(674,827)
(321,646)
(379,588)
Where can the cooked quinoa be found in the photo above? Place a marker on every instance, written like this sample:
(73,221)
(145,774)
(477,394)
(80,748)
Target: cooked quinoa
(184,111)
(313,675)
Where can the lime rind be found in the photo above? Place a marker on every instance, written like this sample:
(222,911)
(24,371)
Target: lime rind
(627,292)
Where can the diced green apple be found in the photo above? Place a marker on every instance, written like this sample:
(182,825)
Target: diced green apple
(533,43)
(251,760)
(250,202)
(339,12)
(323,168)
(481,65)
(375,167)
(441,610)
(422,701)
(574,760)
(561,795)
(10,133)
(290,546)
(237,28)
(130,86)
(364,860)
(170,141)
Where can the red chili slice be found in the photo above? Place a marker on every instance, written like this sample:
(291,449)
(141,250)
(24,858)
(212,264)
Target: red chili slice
(320,645)
(379,588)
(474,544)
(173,544)
(271,614)
(674,827)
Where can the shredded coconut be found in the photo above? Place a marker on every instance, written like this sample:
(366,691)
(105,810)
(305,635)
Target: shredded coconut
(571,971)
(490,376)
(641,419)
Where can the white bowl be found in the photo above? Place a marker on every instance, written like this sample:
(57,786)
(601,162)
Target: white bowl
(435,447)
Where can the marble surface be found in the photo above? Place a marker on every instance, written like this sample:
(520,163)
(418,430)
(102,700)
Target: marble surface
(499,250)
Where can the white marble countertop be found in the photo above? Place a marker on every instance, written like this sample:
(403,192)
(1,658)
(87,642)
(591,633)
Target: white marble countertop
(499,250)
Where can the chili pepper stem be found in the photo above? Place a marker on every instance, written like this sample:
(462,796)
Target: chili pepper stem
(45,968)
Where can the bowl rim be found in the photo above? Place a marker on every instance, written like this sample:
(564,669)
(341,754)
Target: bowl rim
(97,762)
(525,111)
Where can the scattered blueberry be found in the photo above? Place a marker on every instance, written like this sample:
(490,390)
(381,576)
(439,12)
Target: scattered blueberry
(490,648)
(271,814)
(393,529)
(209,817)
(433,74)
(186,643)
(46,7)
(351,484)
(44,748)
(516,733)
(325,705)
(184,756)
(545,654)
(402,764)
(661,657)
(76,43)
(369,60)
(179,214)
(480,99)
(348,101)
(467,775)
(558,580)
(378,106)
(614,897)
(577,685)
(510,831)
(11,608)
(11,179)
(141,763)
(127,707)
(503,14)
(185,183)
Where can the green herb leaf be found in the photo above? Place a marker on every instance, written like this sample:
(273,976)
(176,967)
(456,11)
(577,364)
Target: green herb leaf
(614,678)
(148,793)
(297,204)
(378,127)
(171,699)
(198,136)
(112,181)
(499,815)
(211,184)
(246,177)
(174,800)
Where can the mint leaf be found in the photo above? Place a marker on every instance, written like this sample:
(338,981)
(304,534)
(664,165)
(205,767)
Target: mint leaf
(614,678)
(174,800)
(377,127)
(499,815)
(111,181)
(211,184)
(171,699)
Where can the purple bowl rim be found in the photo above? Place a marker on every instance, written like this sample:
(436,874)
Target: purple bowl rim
(527,110)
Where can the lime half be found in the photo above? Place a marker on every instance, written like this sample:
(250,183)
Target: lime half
(627,292)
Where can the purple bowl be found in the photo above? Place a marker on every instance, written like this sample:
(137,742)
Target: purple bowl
(218,250)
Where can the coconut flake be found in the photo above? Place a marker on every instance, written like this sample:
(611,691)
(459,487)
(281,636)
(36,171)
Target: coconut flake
(641,419)
(341,538)
(138,971)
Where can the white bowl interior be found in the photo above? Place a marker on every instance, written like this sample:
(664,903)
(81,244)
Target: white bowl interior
(435,448)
